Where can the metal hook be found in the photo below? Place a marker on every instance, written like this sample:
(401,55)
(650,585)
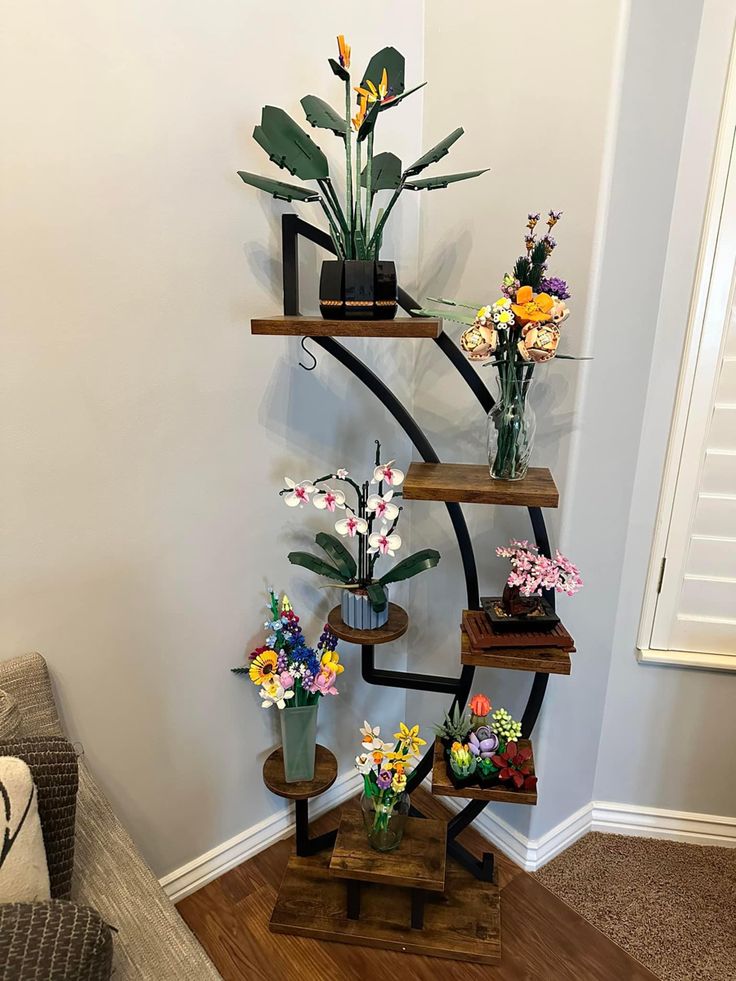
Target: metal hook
(307,351)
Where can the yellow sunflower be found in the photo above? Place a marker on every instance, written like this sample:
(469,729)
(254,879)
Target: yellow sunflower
(409,738)
(331,660)
(262,667)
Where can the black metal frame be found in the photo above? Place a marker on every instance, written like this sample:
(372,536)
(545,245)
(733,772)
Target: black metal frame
(292,227)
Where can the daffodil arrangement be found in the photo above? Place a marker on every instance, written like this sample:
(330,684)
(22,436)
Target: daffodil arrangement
(370,522)
(385,768)
(357,233)
(285,670)
(514,334)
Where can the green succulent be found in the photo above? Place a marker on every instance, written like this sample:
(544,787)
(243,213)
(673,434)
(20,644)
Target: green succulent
(506,728)
(455,726)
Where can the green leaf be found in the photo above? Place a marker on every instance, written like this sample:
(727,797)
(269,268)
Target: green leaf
(394,63)
(369,123)
(360,246)
(320,114)
(386,175)
(289,146)
(432,183)
(316,565)
(240,670)
(570,357)
(458,318)
(436,153)
(339,70)
(338,554)
(411,566)
(377,596)
(280,189)
(390,101)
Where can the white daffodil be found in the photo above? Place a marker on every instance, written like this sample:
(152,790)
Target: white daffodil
(299,493)
(329,499)
(388,473)
(382,506)
(274,694)
(370,735)
(351,526)
(363,763)
(383,544)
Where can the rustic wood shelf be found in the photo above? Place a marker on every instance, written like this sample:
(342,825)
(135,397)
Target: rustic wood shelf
(442,786)
(418,863)
(325,773)
(544,660)
(395,627)
(319,327)
(463,923)
(548,660)
(468,483)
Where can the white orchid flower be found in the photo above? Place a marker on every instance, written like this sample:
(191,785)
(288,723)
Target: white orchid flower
(388,473)
(274,694)
(299,493)
(382,506)
(342,473)
(329,499)
(384,544)
(363,763)
(351,526)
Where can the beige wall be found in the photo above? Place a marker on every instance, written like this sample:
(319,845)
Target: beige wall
(145,433)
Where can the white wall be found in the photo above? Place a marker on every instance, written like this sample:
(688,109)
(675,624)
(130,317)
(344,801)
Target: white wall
(145,432)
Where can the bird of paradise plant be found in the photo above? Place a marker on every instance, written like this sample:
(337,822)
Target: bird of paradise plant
(354,231)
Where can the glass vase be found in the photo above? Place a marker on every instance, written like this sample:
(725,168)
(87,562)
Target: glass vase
(511,425)
(299,741)
(384,822)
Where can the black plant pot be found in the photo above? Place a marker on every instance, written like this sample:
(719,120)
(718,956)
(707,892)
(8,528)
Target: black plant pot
(358,289)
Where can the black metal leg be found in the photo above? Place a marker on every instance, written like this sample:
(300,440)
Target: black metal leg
(304,844)
(465,817)
(403,679)
(482,870)
(353,899)
(417,909)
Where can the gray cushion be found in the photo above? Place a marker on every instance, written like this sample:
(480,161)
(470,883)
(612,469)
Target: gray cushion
(9,716)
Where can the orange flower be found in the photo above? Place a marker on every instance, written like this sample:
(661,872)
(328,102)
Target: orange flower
(360,115)
(344,50)
(480,705)
(371,93)
(540,343)
(531,307)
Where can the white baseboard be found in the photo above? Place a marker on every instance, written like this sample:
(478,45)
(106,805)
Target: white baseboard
(214,863)
(530,853)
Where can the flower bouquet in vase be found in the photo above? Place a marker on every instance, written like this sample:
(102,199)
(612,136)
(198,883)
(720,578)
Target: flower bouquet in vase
(294,677)
(515,334)
(370,522)
(385,768)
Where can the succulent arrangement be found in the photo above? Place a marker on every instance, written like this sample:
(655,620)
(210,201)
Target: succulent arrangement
(484,748)
(357,233)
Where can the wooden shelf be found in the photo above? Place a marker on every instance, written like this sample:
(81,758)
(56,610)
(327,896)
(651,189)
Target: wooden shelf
(325,772)
(461,924)
(418,862)
(468,483)
(548,660)
(319,327)
(442,786)
(395,627)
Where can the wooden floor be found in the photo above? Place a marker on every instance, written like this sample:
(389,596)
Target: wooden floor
(542,938)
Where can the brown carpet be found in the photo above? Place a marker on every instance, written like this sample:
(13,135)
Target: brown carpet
(670,905)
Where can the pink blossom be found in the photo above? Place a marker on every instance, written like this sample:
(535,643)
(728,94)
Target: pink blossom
(286,680)
(324,683)
(532,572)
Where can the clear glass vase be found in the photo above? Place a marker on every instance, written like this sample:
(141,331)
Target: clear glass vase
(299,741)
(384,823)
(511,425)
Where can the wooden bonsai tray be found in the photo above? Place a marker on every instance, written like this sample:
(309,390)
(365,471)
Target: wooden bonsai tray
(472,484)
(546,660)
(395,627)
(319,327)
(482,635)
(461,924)
(504,793)
(418,862)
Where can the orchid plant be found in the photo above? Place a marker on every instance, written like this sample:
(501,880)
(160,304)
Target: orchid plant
(286,671)
(370,521)
(356,232)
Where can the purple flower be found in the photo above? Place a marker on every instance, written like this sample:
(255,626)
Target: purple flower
(484,747)
(383,780)
(555,287)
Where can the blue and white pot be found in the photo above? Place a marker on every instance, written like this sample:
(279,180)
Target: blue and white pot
(358,613)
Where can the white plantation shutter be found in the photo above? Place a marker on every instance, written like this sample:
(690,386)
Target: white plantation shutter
(695,594)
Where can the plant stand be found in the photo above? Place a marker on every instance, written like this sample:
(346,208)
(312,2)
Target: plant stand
(463,920)
(325,773)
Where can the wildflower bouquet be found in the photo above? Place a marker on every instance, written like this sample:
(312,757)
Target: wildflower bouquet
(356,233)
(517,332)
(287,672)
(484,748)
(385,768)
(370,522)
